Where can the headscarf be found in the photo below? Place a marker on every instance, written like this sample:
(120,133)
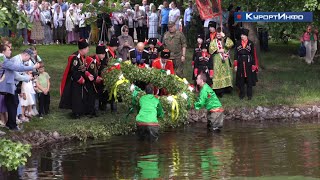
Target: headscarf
(57,19)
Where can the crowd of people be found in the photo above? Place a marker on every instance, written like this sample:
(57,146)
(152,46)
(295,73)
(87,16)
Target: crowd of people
(82,89)
(24,86)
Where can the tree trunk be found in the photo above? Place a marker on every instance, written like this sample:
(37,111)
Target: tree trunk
(253,36)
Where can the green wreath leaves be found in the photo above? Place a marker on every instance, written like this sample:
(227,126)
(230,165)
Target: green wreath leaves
(119,77)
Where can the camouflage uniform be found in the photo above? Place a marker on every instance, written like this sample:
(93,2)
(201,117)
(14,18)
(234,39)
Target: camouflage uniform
(175,42)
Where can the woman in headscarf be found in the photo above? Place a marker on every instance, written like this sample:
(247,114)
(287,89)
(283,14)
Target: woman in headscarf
(58,25)
(125,43)
(47,23)
(37,31)
(71,22)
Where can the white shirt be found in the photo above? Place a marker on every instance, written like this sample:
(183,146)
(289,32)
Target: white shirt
(173,14)
(187,15)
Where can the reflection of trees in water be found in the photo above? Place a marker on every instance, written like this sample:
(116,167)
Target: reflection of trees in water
(280,150)
(185,157)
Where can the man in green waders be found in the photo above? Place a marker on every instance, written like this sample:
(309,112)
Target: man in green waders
(147,122)
(208,99)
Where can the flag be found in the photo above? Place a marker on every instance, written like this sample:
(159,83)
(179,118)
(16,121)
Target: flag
(209,8)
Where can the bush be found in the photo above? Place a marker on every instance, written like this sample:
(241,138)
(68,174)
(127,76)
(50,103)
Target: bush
(12,154)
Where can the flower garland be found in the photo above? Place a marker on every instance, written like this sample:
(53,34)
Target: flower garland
(119,77)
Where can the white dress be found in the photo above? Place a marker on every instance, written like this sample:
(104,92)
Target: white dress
(153,26)
(27,88)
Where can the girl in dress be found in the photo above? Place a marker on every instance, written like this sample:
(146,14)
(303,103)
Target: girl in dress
(26,99)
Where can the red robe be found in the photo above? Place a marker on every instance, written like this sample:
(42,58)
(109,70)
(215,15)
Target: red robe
(168,66)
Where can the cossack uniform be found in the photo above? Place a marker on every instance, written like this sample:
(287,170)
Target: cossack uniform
(139,58)
(246,65)
(204,64)
(104,95)
(163,63)
(153,50)
(73,88)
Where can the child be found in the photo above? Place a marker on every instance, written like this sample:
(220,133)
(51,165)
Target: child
(203,63)
(43,87)
(33,60)
(26,99)
(210,101)
(150,109)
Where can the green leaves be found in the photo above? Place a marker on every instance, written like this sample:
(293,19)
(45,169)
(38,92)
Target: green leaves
(12,154)
(10,16)
(173,84)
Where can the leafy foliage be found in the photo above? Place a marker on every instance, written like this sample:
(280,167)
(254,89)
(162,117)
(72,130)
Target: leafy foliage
(278,31)
(95,9)
(12,154)
(10,16)
(176,86)
(16,41)
(115,127)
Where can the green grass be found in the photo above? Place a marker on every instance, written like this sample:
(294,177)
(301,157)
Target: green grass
(284,79)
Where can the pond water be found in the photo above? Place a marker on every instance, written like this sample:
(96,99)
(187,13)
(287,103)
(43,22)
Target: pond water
(243,150)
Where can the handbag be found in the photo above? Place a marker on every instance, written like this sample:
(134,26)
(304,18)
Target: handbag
(302,50)
(76,26)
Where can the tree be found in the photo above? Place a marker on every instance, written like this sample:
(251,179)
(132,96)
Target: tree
(10,16)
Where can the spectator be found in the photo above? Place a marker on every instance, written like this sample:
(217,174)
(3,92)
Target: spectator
(187,18)
(37,31)
(46,15)
(26,99)
(58,25)
(145,29)
(22,27)
(309,39)
(71,24)
(33,60)
(125,43)
(118,21)
(3,108)
(43,87)
(164,18)
(130,22)
(63,5)
(8,86)
(153,23)
(83,30)
(175,41)
(174,14)
(138,19)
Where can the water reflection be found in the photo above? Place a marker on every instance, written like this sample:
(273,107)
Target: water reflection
(272,151)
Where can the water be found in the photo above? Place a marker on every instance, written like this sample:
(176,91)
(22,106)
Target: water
(242,151)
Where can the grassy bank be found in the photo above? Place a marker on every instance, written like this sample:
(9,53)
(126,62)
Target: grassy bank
(284,79)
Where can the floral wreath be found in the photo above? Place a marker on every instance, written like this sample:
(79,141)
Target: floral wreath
(119,77)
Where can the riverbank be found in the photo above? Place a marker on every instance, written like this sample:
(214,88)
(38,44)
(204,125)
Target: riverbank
(263,113)
(287,89)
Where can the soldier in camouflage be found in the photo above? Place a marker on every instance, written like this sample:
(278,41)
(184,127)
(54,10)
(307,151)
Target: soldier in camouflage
(175,41)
